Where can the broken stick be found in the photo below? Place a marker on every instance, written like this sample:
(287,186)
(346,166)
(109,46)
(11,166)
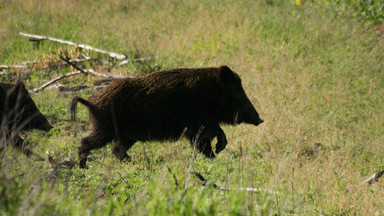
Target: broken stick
(109,79)
(39,38)
(204,183)
(68,60)
(56,167)
(90,71)
(374,178)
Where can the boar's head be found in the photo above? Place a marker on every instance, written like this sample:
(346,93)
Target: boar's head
(23,111)
(235,107)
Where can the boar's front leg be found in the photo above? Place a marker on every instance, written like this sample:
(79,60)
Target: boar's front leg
(120,148)
(202,138)
(221,141)
(205,147)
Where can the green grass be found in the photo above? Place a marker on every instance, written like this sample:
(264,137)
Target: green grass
(314,74)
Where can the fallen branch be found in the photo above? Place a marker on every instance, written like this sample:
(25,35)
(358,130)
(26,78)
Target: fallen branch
(84,59)
(72,89)
(205,181)
(12,66)
(68,60)
(137,60)
(23,65)
(55,167)
(374,178)
(39,38)
(77,60)
(109,79)
(68,89)
(90,71)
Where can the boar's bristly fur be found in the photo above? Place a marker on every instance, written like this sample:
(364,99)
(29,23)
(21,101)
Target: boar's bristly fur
(18,113)
(164,105)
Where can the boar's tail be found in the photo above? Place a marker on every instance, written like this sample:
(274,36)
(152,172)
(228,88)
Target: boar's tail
(72,106)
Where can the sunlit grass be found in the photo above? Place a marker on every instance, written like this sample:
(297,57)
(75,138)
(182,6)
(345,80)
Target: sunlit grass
(315,77)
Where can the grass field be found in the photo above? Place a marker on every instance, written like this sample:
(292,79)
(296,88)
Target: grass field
(315,75)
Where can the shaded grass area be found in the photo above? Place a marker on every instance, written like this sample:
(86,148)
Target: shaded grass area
(315,77)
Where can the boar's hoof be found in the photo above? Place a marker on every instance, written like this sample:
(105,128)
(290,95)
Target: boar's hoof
(120,153)
(126,159)
(219,148)
(210,155)
(83,166)
(220,145)
(221,141)
(82,163)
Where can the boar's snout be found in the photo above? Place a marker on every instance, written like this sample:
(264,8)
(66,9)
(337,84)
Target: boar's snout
(259,122)
(41,123)
(47,128)
(254,119)
(250,115)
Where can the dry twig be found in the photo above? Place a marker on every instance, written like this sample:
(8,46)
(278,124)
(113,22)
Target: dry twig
(68,60)
(205,181)
(90,71)
(27,65)
(374,178)
(67,163)
(81,71)
(39,38)
(109,79)
(136,60)
(13,66)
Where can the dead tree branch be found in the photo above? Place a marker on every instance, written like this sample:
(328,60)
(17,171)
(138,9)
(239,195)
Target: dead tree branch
(109,79)
(27,65)
(39,38)
(205,181)
(90,71)
(23,65)
(13,66)
(71,89)
(63,89)
(136,60)
(56,167)
(77,60)
(68,60)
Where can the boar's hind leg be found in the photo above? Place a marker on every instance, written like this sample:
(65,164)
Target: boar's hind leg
(221,141)
(88,144)
(120,148)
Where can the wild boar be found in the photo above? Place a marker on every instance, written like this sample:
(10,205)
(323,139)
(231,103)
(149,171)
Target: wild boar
(163,106)
(18,113)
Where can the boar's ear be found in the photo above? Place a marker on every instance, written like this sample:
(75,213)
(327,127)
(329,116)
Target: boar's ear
(225,75)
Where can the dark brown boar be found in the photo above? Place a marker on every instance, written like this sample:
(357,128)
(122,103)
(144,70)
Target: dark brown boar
(18,113)
(164,105)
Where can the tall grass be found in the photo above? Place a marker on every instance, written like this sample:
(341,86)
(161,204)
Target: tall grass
(372,10)
(315,78)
